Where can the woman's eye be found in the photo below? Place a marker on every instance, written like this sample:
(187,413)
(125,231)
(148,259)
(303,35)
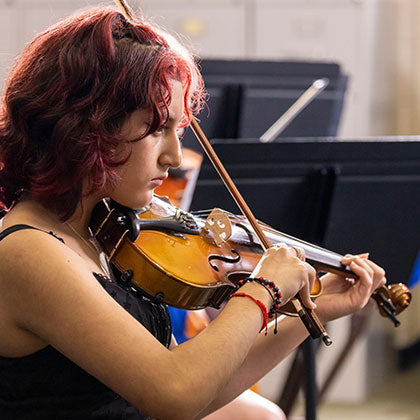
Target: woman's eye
(179,131)
(159,130)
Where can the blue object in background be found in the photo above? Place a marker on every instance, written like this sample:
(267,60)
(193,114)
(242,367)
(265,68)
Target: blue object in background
(415,274)
(178,319)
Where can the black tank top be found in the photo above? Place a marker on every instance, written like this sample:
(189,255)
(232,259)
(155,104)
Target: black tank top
(47,385)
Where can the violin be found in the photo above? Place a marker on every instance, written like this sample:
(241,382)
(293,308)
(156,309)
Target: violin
(195,260)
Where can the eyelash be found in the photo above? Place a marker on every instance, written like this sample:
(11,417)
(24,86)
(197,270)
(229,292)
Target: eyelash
(159,131)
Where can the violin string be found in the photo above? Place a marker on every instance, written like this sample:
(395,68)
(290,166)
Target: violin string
(268,229)
(200,212)
(208,211)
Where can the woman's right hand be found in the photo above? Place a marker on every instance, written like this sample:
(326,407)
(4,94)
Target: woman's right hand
(286,267)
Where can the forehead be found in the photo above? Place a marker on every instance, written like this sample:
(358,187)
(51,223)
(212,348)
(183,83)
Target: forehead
(175,109)
(176,106)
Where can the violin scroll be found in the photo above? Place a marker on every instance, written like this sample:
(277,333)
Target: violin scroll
(392,300)
(400,295)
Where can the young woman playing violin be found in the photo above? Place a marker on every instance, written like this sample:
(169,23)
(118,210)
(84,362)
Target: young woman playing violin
(91,110)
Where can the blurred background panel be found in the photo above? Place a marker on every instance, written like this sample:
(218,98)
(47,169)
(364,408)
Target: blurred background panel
(375,42)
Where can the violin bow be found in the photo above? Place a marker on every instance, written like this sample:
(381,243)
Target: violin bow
(125,9)
(307,316)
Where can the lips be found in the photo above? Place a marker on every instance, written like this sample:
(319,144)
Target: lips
(158,181)
(160,178)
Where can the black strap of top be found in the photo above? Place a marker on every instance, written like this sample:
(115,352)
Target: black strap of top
(15,228)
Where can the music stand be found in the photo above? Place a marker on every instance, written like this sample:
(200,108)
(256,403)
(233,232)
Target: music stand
(347,195)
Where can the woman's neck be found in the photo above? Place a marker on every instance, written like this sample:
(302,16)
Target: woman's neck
(80,219)
(29,211)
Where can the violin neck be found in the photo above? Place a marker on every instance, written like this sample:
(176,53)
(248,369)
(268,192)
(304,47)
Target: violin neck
(323,260)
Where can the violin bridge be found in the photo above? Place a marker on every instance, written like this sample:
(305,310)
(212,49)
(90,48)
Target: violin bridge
(217,228)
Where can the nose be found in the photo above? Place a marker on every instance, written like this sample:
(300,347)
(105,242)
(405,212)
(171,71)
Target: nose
(171,156)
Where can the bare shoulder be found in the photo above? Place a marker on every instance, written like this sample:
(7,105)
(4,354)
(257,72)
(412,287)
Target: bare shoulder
(31,254)
(52,280)
(27,259)
(35,264)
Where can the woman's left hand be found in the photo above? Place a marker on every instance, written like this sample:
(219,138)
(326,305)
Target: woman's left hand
(342,296)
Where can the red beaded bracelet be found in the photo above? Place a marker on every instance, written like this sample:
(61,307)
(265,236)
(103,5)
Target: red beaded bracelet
(260,304)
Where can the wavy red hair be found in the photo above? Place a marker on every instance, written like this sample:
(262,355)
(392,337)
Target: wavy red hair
(68,95)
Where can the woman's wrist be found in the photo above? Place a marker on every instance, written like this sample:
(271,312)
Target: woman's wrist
(260,304)
(320,312)
(272,289)
(258,292)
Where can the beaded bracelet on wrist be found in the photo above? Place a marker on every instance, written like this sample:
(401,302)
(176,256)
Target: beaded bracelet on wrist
(274,292)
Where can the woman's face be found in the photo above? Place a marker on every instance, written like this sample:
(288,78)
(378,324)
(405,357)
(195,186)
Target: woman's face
(151,157)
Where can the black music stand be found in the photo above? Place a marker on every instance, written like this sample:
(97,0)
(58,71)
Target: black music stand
(346,195)
(341,194)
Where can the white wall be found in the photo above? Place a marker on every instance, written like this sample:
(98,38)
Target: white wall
(343,31)
(375,41)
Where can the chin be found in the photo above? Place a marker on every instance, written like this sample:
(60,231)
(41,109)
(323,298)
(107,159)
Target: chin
(140,202)
(134,202)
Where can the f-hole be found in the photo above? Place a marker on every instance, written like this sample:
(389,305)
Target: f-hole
(235,258)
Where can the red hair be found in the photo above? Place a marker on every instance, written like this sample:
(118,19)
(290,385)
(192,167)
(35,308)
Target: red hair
(68,95)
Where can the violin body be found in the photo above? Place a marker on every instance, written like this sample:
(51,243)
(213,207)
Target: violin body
(179,268)
(168,254)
